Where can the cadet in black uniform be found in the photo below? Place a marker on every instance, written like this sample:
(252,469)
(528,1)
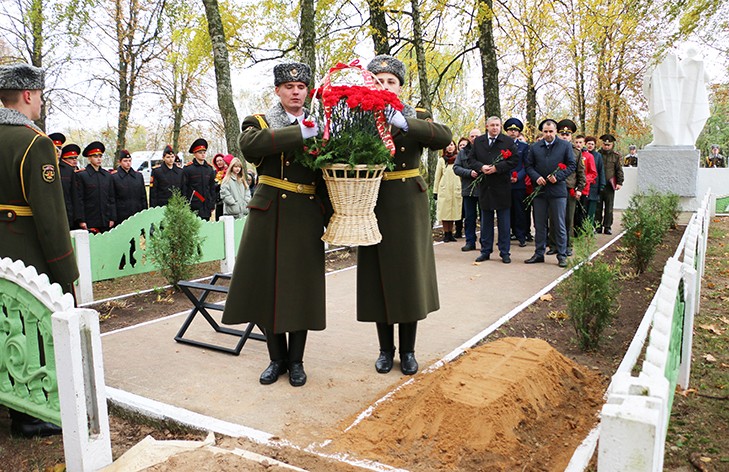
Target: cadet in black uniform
(94,207)
(164,178)
(129,192)
(59,139)
(67,167)
(198,181)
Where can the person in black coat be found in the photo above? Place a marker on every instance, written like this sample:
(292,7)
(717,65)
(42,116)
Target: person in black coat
(198,181)
(129,192)
(549,162)
(495,156)
(164,179)
(520,214)
(94,206)
(67,167)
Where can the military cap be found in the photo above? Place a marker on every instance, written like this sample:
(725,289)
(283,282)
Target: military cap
(632,146)
(714,146)
(198,145)
(385,63)
(168,150)
(58,139)
(544,122)
(608,138)
(21,77)
(95,147)
(291,72)
(124,154)
(70,151)
(566,126)
(514,123)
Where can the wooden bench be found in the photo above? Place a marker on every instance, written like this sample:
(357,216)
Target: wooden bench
(201,305)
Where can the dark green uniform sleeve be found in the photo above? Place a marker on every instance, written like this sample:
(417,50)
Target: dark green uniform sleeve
(43,191)
(426,131)
(256,142)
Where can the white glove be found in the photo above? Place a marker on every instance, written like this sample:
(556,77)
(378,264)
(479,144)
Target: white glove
(395,118)
(309,132)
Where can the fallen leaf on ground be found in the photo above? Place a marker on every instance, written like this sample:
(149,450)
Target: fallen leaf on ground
(724,320)
(709,358)
(546,297)
(711,328)
(558,315)
(710,285)
(685,393)
(474,277)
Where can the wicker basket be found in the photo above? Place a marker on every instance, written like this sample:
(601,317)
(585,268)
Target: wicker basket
(353,192)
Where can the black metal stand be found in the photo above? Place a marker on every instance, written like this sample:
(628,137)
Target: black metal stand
(200,305)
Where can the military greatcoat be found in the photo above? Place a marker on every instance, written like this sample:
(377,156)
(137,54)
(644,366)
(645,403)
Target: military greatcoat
(278,280)
(396,279)
(67,182)
(129,193)
(94,202)
(161,183)
(33,222)
(199,178)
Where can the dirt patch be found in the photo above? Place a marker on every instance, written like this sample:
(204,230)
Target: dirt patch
(495,405)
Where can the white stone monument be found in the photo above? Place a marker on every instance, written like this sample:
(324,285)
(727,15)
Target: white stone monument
(679,107)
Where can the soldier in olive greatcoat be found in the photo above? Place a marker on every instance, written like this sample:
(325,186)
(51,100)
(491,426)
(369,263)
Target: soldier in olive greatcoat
(282,236)
(130,195)
(613,165)
(165,177)
(396,280)
(198,181)
(94,206)
(33,223)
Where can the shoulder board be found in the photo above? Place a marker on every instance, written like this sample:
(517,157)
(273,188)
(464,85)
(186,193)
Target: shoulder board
(112,172)
(423,114)
(188,164)
(261,120)
(157,166)
(78,170)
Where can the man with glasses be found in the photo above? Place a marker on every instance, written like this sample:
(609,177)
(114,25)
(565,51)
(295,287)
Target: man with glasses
(94,206)
(198,181)
(164,179)
(613,163)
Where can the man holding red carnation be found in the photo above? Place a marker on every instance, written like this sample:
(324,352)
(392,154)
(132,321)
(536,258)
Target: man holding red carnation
(549,162)
(494,156)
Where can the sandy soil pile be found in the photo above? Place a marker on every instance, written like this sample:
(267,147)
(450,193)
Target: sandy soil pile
(513,403)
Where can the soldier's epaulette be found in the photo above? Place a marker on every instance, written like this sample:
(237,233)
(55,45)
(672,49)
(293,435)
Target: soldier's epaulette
(261,120)
(158,165)
(424,114)
(188,164)
(112,172)
(79,170)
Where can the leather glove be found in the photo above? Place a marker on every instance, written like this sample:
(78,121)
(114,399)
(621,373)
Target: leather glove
(309,132)
(435,196)
(396,118)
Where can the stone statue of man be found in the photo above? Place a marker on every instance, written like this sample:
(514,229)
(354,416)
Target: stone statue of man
(694,97)
(662,87)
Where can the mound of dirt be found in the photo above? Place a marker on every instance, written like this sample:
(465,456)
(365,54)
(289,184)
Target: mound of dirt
(481,411)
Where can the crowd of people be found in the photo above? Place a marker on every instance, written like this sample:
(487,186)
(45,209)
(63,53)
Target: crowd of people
(97,199)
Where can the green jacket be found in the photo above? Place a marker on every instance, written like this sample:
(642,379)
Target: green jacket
(396,279)
(31,183)
(278,280)
(613,163)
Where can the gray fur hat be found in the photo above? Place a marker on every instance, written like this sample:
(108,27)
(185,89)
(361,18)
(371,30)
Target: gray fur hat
(21,77)
(291,72)
(385,63)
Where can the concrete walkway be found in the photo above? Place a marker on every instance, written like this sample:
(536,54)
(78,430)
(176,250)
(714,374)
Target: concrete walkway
(342,382)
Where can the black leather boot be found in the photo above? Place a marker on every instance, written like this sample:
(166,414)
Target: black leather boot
(386,337)
(277,351)
(297,343)
(459,229)
(26,426)
(407,333)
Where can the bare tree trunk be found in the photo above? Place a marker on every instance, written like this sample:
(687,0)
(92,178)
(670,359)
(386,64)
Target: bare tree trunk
(36,55)
(307,37)
(489,67)
(531,104)
(222,76)
(378,24)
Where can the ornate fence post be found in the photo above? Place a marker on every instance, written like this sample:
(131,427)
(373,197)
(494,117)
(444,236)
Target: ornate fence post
(84,288)
(228,261)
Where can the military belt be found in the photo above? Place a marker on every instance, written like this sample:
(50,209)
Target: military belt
(286,185)
(401,174)
(9,212)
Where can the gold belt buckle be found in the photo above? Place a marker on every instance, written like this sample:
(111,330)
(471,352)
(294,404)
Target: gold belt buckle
(299,188)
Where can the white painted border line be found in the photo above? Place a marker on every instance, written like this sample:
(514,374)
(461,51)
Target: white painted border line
(164,411)
(583,453)
(145,323)
(477,338)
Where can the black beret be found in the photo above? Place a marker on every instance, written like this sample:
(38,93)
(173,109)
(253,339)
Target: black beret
(198,145)
(609,138)
(58,139)
(544,122)
(94,148)
(566,126)
(70,151)
(514,123)
(291,72)
(21,77)
(385,63)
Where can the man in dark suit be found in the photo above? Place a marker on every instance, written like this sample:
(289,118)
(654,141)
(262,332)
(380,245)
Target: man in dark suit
(495,156)
(549,162)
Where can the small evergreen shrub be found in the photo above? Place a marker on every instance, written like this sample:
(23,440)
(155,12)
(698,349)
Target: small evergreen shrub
(174,246)
(591,292)
(646,221)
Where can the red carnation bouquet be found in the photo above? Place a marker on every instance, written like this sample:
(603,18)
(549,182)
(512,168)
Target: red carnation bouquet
(530,198)
(353,106)
(505,154)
